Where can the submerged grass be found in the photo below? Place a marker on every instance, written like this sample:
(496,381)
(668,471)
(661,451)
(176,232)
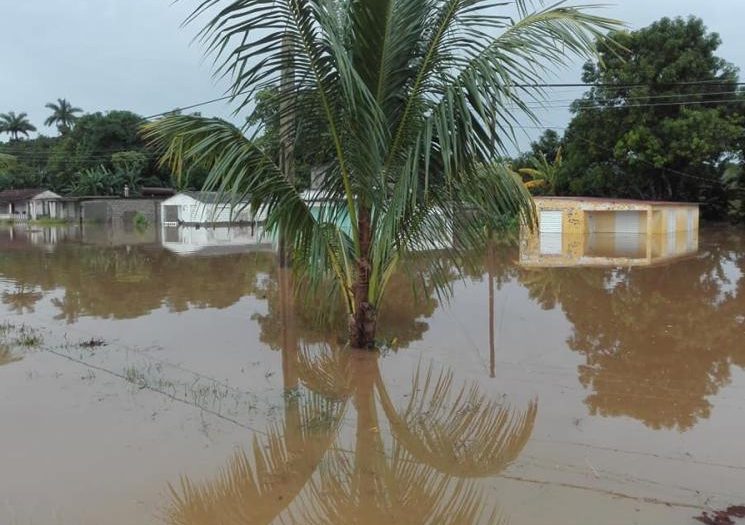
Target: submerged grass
(15,338)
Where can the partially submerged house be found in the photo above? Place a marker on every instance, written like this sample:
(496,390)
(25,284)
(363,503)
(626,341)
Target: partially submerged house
(205,208)
(579,215)
(588,231)
(28,204)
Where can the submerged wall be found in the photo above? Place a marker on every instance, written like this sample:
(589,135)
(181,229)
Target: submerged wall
(120,211)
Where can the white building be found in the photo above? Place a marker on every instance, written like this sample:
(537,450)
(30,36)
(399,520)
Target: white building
(25,204)
(195,240)
(205,207)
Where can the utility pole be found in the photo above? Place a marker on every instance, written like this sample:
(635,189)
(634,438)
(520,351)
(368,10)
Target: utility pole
(286,137)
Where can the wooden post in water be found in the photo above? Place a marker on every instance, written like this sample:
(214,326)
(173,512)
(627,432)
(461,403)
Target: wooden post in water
(286,137)
(489,263)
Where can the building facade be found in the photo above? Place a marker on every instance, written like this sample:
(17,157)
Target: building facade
(205,207)
(28,204)
(580,215)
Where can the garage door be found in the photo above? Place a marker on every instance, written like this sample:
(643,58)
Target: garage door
(549,222)
(671,221)
(628,222)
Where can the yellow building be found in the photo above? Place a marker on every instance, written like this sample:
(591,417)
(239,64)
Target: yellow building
(585,231)
(575,215)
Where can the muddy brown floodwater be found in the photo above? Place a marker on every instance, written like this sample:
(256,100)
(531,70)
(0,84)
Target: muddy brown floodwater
(169,377)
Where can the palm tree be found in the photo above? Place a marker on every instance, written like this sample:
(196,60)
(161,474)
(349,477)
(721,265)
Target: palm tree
(416,96)
(544,173)
(15,125)
(63,115)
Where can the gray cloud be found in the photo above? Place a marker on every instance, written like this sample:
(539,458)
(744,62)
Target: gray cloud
(133,54)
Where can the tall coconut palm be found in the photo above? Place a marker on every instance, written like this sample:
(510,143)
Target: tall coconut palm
(63,115)
(15,125)
(417,96)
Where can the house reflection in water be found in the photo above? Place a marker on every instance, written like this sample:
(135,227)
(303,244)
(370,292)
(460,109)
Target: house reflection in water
(605,249)
(219,240)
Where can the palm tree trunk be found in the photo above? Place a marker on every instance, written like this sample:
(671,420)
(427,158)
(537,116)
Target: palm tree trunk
(363,321)
(286,139)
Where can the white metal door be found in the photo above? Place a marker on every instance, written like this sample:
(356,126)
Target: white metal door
(549,222)
(671,219)
(628,221)
(550,243)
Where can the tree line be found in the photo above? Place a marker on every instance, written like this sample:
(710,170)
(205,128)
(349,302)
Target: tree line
(663,119)
(93,154)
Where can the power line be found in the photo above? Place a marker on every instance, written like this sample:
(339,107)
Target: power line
(549,104)
(632,85)
(522,86)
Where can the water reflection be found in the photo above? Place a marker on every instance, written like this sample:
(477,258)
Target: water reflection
(193,240)
(113,281)
(442,438)
(657,342)
(548,250)
(22,298)
(6,355)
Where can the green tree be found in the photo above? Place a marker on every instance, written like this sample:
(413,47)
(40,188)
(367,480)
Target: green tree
(660,121)
(92,142)
(15,125)
(63,115)
(547,145)
(416,99)
(30,167)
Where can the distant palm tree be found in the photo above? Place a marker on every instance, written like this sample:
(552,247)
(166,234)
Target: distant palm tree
(543,173)
(63,115)
(15,125)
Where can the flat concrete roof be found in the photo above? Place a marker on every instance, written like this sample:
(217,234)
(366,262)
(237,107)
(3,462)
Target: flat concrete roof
(604,200)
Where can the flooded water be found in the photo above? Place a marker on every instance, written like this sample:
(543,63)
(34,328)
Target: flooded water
(170,377)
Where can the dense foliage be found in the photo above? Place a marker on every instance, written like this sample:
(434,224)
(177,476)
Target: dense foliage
(95,154)
(663,120)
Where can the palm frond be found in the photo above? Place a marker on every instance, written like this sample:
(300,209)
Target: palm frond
(258,490)
(458,431)
(396,489)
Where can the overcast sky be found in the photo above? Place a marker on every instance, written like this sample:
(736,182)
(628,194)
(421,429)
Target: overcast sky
(134,54)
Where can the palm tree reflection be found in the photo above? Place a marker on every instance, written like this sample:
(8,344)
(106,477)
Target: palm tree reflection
(6,356)
(442,439)
(23,299)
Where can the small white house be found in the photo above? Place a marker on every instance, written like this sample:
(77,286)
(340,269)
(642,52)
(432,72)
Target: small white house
(25,204)
(205,207)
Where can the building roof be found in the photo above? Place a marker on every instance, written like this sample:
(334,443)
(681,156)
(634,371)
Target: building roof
(19,195)
(146,191)
(638,202)
(209,197)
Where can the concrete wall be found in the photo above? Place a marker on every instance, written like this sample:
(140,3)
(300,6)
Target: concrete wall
(120,211)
